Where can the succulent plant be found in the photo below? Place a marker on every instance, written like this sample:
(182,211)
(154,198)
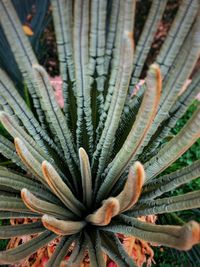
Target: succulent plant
(87,172)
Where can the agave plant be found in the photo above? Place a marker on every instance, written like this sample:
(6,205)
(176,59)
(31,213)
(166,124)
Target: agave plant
(87,172)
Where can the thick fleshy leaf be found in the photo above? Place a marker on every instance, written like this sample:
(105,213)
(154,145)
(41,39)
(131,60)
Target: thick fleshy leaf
(124,22)
(62,16)
(95,250)
(60,251)
(146,38)
(60,189)
(21,252)
(7,149)
(86,177)
(137,134)
(179,29)
(54,115)
(104,214)
(31,162)
(179,237)
(43,207)
(8,231)
(61,227)
(12,203)
(21,110)
(175,148)
(170,181)
(17,181)
(115,250)
(117,103)
(80,45)
(21,49)
(168,204)
(132,189)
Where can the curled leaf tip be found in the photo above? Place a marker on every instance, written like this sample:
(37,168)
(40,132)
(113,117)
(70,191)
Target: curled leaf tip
(24,192)
(189,235)
(139,170)
(132,189)
(104,214)
(44,163)
(61,227)
(26,197)
(45,167)
(17,142)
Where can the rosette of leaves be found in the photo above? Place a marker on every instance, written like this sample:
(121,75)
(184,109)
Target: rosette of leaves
(89,170)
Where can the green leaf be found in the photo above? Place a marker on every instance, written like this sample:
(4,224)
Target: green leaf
(21,252)
(8,231)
